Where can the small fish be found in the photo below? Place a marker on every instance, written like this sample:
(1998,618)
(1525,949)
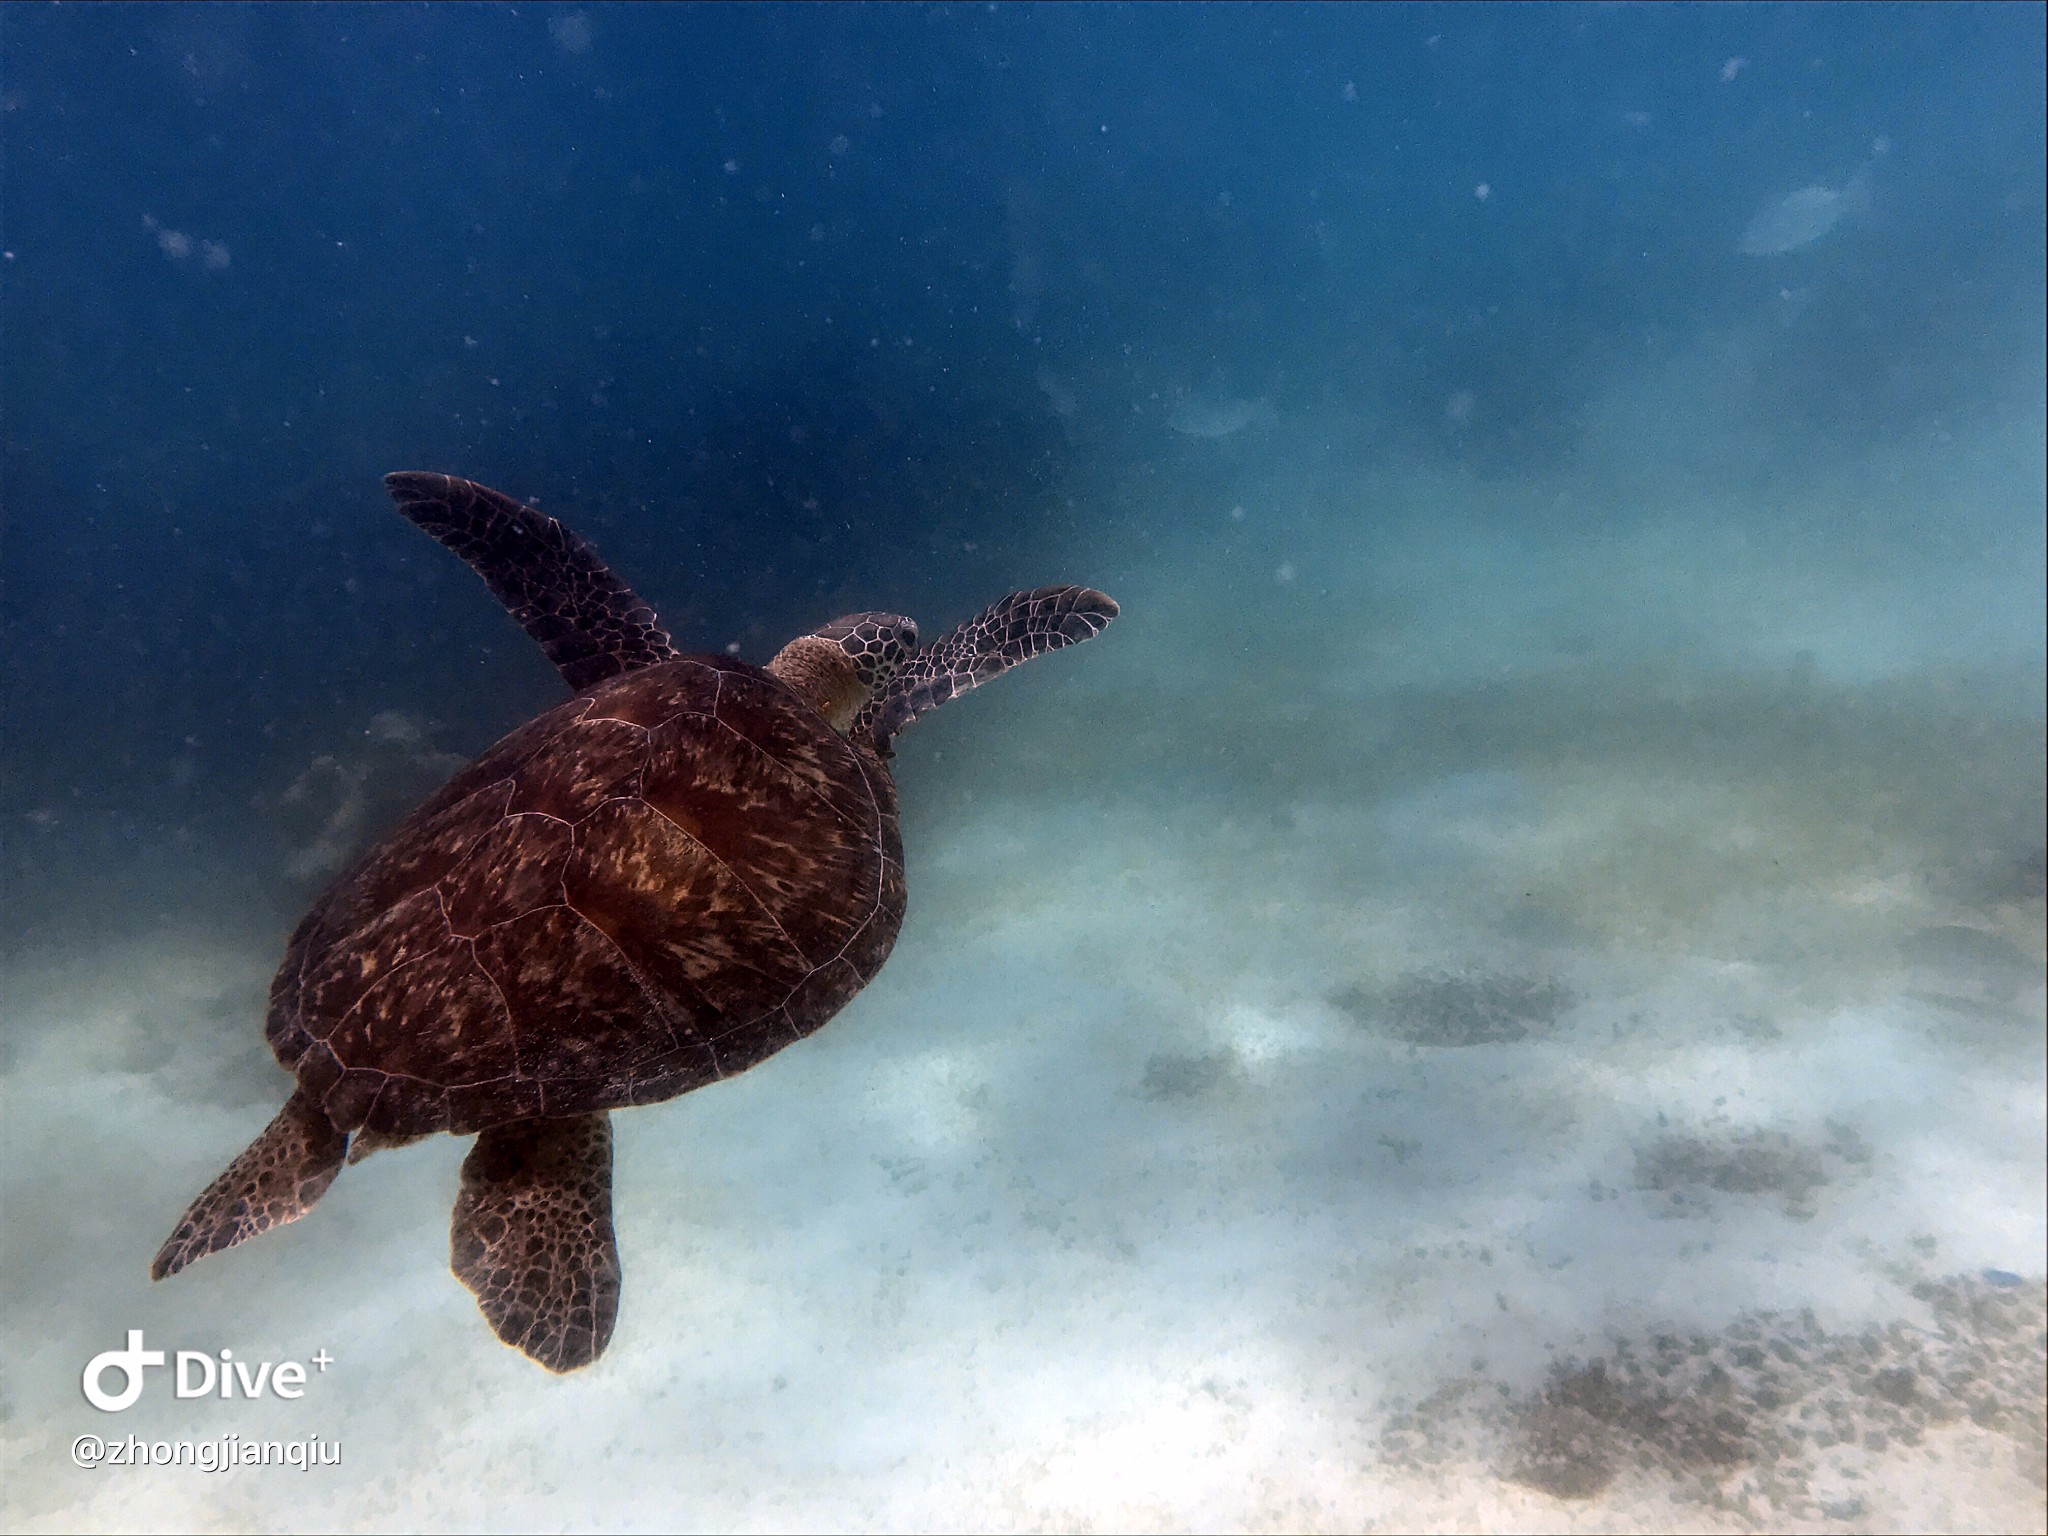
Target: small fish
(1217,416)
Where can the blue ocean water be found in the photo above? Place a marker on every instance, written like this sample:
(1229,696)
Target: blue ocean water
(1506,991)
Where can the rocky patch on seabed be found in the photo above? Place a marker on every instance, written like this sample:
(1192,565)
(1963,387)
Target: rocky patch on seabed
(1772,1422)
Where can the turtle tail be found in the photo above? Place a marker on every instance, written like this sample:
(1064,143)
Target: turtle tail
(1010,630)
(275,1180)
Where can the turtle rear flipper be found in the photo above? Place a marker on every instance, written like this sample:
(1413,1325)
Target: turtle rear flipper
(1010,630)
(590,623)
(532,1236)
(275,1180)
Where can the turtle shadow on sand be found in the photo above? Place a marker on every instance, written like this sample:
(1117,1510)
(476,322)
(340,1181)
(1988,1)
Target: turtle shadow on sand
(650,888)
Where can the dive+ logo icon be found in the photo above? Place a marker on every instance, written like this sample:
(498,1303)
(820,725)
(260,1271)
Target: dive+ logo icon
(196,1374)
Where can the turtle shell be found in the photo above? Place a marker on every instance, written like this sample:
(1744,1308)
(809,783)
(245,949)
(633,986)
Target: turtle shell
(644,890)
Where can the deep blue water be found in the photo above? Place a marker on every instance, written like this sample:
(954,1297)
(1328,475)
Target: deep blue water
(761,293)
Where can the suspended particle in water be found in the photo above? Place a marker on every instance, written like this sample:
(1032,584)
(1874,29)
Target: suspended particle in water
(571,32)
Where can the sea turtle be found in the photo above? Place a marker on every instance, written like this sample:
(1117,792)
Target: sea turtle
(688,866)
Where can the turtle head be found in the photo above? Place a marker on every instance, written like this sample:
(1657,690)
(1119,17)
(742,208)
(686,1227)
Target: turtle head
(839,666)
(877,643)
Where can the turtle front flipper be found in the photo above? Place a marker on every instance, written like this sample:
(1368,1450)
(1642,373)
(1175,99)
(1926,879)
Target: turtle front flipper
(275,1180)
(1011,629)
(532,1236)
(590,623)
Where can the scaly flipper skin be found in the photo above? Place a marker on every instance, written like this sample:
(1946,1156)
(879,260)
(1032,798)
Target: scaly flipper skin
(274,1181)
(590,623)
(532,1236)
(1011,629)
